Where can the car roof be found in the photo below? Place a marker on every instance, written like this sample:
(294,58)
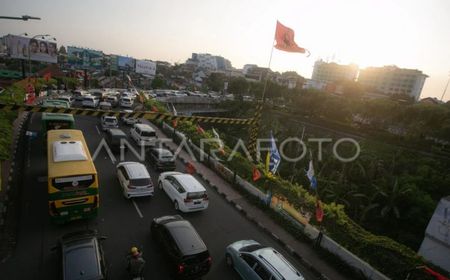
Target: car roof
(143,126)
(189,182)
(81,257)
(188,240)
(275,260)
(136,170)
(116,132)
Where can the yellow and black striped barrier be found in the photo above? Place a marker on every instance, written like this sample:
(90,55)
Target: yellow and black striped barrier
(149,115)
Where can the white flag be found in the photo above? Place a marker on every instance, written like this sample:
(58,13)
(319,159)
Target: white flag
(216,135)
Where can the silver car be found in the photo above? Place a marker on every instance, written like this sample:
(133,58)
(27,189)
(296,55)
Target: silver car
(254,261)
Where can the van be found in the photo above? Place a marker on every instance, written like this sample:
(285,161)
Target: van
(186,252)
(114,140)
(90,101)
(143,134)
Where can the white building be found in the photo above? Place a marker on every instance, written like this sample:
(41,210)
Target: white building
(391,80)
(209,62)
(436,244)
(332,72)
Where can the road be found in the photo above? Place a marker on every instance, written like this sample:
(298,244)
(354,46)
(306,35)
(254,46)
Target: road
(124,222)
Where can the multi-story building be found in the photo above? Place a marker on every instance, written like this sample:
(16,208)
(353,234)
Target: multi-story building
(209,62)
(332,72)
(391,80)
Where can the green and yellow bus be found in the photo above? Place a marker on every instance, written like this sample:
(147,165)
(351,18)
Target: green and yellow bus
(72,177)
(57,121)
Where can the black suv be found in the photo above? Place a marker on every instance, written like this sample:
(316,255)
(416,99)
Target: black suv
(81,255)
(161,158)
(187,253)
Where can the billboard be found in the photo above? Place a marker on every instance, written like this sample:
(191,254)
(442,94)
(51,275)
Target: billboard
(145,67)
(32,49)
(125,62)
(84,58)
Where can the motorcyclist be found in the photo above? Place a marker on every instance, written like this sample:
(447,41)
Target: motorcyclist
(135,263)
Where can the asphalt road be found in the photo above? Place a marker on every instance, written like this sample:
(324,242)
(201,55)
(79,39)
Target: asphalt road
(125,223)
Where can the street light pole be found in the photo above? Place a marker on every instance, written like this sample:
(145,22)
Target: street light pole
(24,18)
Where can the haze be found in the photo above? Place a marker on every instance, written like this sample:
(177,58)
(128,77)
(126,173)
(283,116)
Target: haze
(409,34)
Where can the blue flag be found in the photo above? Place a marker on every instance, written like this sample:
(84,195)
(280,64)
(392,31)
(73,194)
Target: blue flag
(311,176)
(273,157)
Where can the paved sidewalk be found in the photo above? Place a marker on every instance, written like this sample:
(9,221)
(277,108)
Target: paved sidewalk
(302,250)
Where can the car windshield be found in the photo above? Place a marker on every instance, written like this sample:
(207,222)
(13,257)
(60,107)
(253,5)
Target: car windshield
(141,182)
(251,248)
(110,120)
(81,263)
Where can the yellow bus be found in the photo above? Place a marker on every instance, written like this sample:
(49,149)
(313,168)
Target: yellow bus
(72,177)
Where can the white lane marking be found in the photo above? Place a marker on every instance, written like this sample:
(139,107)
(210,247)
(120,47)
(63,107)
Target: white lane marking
(98,131)
(137,209)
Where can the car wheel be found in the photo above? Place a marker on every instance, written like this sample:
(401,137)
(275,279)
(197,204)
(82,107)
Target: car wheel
(160,185)
(177,207)
(229,260)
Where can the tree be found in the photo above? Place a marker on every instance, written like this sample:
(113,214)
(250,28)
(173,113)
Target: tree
(215,81)
(391,198)
(158,83)
(238,86)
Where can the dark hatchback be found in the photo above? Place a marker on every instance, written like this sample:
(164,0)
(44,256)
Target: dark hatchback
(82,256)
(162,159)
(188,255)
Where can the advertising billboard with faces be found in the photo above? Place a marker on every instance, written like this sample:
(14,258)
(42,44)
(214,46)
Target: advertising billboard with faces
(33,49)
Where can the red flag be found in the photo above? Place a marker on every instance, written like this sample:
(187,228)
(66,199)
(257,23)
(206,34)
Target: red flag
(47,76)
(256,174)
(200,130)
(319,211)
(174,123)
(285,39)
(154,109)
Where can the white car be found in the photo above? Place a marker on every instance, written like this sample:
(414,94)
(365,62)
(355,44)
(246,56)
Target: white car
(90,101)
(134,179)
(126,102)
(143,134)
(186,192)
(109,122)
(67,98)
(129,120)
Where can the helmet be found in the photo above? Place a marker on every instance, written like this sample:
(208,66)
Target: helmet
(134,251)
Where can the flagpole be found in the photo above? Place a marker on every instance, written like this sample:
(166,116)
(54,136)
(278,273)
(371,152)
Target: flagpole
(267,75)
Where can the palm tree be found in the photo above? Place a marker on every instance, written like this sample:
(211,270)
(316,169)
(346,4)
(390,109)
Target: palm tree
(392,198)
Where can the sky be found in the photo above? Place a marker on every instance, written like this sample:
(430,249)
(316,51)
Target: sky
(410,34)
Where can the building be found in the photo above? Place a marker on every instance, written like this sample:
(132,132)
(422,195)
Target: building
(247,67)
(257,73)
(391,80)
(436,244)
(332,72)
(209,62)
